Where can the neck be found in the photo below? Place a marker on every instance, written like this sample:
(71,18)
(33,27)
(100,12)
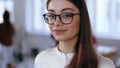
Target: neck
(67,46)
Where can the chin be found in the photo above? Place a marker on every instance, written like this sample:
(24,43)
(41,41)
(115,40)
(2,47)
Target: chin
(60,39)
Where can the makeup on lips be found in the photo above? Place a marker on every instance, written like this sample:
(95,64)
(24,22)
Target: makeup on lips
(59,31)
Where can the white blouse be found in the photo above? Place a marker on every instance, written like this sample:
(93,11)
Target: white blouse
(53,58)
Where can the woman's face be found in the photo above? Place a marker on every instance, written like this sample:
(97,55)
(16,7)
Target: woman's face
(60,31)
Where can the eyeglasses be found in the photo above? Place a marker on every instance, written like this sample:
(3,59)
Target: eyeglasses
(65,18)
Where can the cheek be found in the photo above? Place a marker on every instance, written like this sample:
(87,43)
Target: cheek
(75,28)
(75,24)
(50,27)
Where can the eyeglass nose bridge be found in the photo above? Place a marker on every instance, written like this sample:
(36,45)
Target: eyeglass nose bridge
(58,15)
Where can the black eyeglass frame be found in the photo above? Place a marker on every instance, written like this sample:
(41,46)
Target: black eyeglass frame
(59,15)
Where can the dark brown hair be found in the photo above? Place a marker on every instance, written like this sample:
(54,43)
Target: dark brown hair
(85,56)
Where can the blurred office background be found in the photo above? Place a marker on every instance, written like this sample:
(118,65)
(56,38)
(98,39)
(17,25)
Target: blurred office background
(32,33)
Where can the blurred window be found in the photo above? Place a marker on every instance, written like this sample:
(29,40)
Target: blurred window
(105,18)
(35,23)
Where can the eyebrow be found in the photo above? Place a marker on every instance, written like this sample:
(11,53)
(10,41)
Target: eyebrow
(50,10)
(67,9)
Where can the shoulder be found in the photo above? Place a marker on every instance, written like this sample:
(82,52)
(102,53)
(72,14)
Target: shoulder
(48,59)
(105,62)
(45,53)
(45,57)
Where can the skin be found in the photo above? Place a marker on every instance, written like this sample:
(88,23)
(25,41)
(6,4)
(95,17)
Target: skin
(65,34)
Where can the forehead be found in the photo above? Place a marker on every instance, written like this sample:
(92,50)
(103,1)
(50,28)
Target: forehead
(59,5)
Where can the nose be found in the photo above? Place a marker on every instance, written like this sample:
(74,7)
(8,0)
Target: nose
(57,21)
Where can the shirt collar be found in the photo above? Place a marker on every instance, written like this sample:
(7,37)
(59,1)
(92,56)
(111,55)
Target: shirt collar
(69,55)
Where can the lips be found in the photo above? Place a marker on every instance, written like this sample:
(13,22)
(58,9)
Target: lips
(59,31)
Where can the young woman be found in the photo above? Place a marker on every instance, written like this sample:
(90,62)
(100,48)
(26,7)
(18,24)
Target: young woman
(70,25)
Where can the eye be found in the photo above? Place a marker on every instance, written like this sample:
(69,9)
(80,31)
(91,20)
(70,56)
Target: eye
(67,15)
(51,16)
